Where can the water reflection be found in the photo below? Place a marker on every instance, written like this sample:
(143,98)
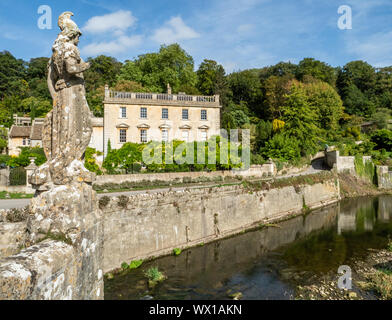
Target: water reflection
(266,263)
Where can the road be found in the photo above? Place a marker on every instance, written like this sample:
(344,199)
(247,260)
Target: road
(316,167)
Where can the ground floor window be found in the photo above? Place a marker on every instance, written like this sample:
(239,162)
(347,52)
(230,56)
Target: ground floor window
(165,135)
(204,136)
(185,135)
(123,135)
(143,136)
(26,141)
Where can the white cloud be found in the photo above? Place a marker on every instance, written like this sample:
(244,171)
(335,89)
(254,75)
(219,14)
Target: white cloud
(117,21)
(118,45)
(374,49)
(174,30)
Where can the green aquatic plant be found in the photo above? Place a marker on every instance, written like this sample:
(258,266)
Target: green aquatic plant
(177,251)
(154,276)
(124,266)
(135,264)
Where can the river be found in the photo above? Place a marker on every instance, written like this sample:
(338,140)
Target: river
(268,263)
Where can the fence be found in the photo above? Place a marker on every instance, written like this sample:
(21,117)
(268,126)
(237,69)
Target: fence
(17,176)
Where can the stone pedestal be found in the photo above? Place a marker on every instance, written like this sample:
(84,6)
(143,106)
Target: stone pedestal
(70,213)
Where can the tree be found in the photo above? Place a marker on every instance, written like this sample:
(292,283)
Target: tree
(356,102)
(246,87)
(327,104)
(300,120)
(282,147)
(35,107)
(381,117)
(276,89)
(383,139)
(316,69)
(11,70)
(129,154)
(155,70)
(211,80)
(3,138)
(103,70)
(281,69)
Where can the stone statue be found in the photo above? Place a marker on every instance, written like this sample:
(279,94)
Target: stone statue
(67,128)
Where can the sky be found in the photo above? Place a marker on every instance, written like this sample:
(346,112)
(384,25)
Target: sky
(239,34)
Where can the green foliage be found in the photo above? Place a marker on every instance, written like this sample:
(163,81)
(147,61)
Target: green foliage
(3,138)
(103,70)
(383,139)
(135,264)
(281,147)
(154,275)
(90,161)
(300,121)
(23,159)
(317,70)
(155,70)
(177,251)
(365,169)
(124,266)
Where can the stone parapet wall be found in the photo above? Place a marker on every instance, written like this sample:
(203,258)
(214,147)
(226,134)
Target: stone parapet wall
(12,238)
(147,225)
(346,163)
(257,171)
(46,271)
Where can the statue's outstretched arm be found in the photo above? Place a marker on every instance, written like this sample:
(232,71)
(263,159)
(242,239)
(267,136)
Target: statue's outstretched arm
(74,67)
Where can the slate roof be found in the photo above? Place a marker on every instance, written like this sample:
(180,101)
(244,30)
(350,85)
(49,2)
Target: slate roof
(36,132)
(20,132)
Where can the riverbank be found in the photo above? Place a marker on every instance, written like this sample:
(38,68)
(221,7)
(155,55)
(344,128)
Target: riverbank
(371,279)
(352,186)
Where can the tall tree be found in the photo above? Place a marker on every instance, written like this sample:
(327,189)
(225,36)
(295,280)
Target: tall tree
(12,72)
(103,70)
(155,70)
(300,120)
(316,69)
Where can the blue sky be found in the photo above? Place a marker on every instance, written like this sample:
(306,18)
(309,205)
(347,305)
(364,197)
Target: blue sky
(239,34)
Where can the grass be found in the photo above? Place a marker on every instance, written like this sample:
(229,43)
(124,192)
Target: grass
(381,282)
(15,195)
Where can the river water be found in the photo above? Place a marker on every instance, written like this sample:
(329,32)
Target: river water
(270,262)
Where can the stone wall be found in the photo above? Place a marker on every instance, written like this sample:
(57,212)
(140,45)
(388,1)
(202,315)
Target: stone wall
(147,225)
(342,163)
(346,163)
(264,170)
(384,177)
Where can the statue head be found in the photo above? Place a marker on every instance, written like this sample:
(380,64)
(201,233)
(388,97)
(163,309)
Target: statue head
(68,27)
(70,32)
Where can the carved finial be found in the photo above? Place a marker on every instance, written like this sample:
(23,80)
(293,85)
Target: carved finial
(169,90)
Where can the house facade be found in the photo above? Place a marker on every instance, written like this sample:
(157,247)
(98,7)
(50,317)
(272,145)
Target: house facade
(24,133)
(142,117)
(28,133)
